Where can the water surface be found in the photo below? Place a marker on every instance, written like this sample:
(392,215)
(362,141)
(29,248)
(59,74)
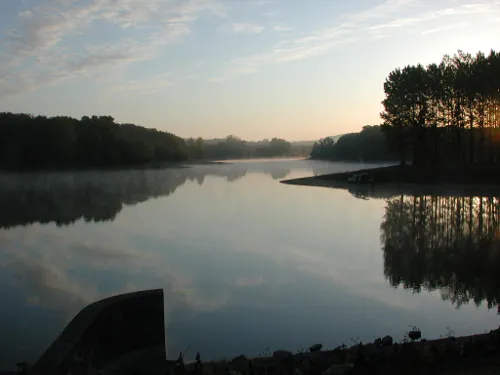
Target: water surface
(245,262)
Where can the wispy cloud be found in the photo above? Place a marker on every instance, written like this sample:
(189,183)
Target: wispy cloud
(270,13)
(440,14)
(42,35)
(148,86)
(298,49)
(247,28)
(280,28)
(453,26)
(375,22)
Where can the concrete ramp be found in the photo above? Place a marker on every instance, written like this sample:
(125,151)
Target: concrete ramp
(123,334)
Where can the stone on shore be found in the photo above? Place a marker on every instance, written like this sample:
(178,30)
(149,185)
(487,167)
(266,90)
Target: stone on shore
(414,335)
(315,348)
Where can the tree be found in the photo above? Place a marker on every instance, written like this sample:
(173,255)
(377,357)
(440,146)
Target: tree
(368,145)
(446,112)
(28,142)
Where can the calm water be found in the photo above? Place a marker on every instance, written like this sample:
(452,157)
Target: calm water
(245,262)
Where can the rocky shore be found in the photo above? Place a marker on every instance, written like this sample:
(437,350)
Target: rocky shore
(477,354)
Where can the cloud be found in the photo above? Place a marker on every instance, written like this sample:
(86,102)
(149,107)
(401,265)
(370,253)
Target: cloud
(282,28)
(270,13)
(250,281)
(260,2)
(384,9)
(446,28)
(464,10)
(152,85)
(375,22)
(298,49)
(95,58)
(41,40)
(247,28)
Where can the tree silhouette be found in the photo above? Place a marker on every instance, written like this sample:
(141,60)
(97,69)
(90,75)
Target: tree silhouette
(233,147)
(28,142)
(446,112)
(367,145)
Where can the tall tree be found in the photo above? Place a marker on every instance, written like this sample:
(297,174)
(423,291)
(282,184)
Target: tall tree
(446,112)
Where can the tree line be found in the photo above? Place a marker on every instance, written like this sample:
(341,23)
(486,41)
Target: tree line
(30,142)
(446,112)
(37,142)
(233,147)
(368,145)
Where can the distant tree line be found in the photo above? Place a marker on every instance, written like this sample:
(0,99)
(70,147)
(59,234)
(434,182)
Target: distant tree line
(36,142)
(233,147)
(30,142)
(368,145)
(447,112)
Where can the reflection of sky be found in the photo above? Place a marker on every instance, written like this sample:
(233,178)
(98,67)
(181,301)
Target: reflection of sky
(244,265)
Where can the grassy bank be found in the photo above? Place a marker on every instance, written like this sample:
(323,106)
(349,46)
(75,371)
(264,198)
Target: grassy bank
(456,174)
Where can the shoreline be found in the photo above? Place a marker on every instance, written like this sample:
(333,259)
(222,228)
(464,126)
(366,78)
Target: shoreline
(471,354)
(454,179)
(447,355)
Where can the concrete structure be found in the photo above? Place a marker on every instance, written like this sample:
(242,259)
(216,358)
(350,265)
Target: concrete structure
(122,334)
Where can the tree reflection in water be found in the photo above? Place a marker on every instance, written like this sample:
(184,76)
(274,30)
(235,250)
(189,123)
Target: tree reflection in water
(451,244)
(95,196)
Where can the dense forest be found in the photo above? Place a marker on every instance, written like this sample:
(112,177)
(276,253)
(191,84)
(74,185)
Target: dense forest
(368,145)
(443,113)
(30,142)
(447,112)
(444,243)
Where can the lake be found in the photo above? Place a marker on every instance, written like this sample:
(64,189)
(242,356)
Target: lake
(247,264)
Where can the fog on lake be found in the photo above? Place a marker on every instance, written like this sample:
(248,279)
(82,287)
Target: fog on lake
(246,263)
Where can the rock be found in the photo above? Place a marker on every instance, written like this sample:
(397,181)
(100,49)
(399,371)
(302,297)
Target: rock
(338,369)
(315,348)
(282,354)
(240,358)
(414,335)
(387,341)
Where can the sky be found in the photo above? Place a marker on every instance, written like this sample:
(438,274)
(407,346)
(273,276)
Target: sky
(295,69)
